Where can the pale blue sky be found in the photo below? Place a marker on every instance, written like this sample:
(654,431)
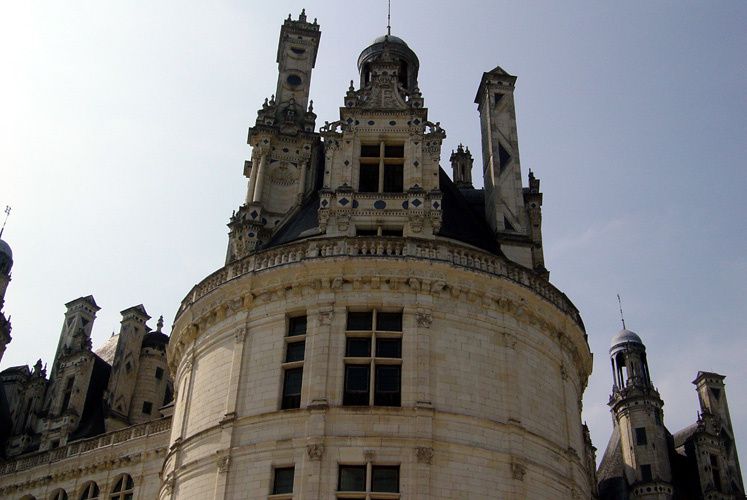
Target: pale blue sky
(123,130)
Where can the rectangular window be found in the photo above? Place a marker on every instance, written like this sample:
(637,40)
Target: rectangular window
(385,478)
(356,385)
(646,473)
(159,373)
(147,407)
(295,351)
(292,388)
(282,480)
(67,394)
(382,168)
(373,359)
(640,436)
(352,478)
(297,326)
(367,481)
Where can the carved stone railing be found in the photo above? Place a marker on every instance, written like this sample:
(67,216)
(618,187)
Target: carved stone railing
(384,247)
(77,448)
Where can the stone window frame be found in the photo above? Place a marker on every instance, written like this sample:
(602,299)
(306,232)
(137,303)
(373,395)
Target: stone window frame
(123,489)
(291,339)
(641,438)
(281,495)
(90,491)
(372,361)
(58,494)
(382,160)
(369,493)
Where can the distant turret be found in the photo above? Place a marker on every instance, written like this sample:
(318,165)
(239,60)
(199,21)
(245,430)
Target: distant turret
(461,166)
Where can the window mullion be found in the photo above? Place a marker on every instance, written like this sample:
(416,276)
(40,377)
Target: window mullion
(381,167)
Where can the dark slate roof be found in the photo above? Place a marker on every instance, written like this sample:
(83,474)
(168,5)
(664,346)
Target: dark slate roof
(305,218)
(611,473)
(20,369)
(459,220)
(155,339)
(92,420)
(5,420)
(463,218)
(682,436)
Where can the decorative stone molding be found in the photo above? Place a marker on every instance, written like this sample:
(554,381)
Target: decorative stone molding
(424,454)
(424,319)
(369,455)
(518,471)
(315,451)
(224,464)
(326,316)
(240,335)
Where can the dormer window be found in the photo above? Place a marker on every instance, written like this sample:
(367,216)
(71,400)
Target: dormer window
(382,168)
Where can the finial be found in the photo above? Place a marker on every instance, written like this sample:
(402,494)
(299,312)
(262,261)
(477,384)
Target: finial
(622,317)
(7,214)
(302,17)
(389,18)
(311,105)
(159,325)
(351,85)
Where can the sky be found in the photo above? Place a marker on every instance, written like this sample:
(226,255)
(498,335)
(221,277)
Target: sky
(123,137)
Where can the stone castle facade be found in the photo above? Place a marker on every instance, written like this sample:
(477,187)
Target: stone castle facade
(379,330)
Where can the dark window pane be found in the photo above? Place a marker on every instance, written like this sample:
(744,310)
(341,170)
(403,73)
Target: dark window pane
(297,326)
(352,478)
(387,386)
(370,150)
(385,479)
(646,472)
(294,351)
(356,385)
(292,388)
(391,232)
(159,373)
(358,348)
(393,178)
(283,480)
(389,321)
(147,407)
(640,436)
(360,321)
(388,348)
(394,151)
(365,232)
(503,156)
(369,178)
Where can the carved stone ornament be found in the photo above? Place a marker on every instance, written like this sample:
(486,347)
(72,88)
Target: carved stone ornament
(416,223)
(424,319)
(424,454)
(168,485)
(315,451)
(240,335)
(283,173)
(518,471)
(224,464)
(325,316)
(369,455)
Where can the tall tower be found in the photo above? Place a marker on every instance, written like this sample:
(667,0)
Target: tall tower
(6,264)
(125,366)
(637,412)
(720,470)
(516,229)
(461,167)
(284,144)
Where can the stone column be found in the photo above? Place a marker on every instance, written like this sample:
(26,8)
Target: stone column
(259,182)
(302,166)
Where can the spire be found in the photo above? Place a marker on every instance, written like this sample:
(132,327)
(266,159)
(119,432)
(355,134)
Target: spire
(622,317)
(7,214)
(159,325)
(389,18)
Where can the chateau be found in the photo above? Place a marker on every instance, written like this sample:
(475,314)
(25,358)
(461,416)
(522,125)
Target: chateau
(378,330)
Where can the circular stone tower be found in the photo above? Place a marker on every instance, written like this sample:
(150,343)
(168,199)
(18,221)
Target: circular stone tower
(371,334)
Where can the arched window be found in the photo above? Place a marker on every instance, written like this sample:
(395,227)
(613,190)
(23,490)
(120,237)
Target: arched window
(90,491)
(58,494)
(123,488)
(28,497)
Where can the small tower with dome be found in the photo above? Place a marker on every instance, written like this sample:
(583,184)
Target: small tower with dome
(6,264)
(638,420)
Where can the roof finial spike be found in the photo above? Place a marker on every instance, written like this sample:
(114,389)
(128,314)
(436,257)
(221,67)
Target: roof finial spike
(622,317)
(389,18)
(7,214)
(159,325)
